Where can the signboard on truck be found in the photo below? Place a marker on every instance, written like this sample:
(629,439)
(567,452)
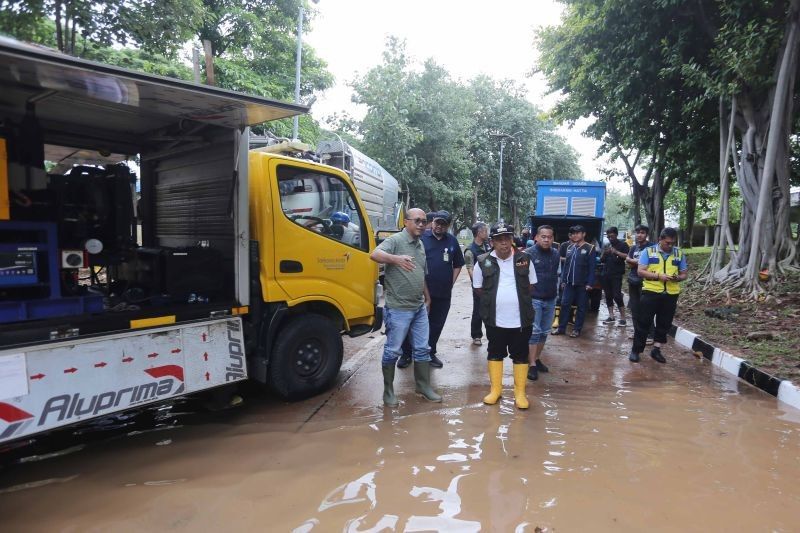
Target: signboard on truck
(570,197)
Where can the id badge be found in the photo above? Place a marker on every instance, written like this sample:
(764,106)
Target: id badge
(446,256)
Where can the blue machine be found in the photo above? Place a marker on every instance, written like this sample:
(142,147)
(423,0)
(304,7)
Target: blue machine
(29,273)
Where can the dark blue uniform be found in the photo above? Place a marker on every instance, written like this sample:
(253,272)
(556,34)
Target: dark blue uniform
(443,256)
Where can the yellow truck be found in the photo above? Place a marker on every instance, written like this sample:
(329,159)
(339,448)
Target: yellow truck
(147,253)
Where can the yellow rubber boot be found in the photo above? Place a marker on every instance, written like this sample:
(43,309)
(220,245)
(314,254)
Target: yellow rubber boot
(520,379)
(496,380)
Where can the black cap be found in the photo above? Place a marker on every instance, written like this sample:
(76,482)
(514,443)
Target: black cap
(441,215)
(429,216)
(577,228)
(501,229)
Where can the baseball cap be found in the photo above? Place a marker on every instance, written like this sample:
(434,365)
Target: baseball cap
(501,229)
(441,215)
(577,228)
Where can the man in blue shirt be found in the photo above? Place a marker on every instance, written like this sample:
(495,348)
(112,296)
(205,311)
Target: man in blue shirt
(545,260)
(445,260)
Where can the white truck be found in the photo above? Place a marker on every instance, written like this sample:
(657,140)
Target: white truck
(146,252)
(379,190)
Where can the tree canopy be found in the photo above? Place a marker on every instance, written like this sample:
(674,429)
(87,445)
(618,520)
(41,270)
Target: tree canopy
(441,138)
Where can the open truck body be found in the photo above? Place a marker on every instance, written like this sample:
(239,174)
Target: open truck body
(566,203)
(210,265)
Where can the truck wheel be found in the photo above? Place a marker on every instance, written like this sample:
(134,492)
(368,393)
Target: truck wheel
(306,357)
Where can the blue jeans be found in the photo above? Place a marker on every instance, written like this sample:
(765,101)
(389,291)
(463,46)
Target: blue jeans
(544,312)
(578,295)
(399,323)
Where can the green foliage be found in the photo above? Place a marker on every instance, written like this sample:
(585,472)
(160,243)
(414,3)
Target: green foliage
(253,42)
(441,137)
(618,210)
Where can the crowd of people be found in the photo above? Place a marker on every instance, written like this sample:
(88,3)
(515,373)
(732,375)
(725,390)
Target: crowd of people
(518,283)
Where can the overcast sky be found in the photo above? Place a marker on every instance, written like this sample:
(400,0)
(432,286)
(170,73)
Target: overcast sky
(466,37)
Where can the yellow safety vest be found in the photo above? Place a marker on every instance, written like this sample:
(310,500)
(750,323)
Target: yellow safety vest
(670,267)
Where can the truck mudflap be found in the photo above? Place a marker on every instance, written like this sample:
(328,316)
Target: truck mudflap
(53,385)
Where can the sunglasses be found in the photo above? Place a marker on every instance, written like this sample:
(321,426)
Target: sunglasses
(418,221)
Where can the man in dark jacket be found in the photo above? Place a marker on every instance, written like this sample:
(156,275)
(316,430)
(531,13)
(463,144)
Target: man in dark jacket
(577,279)
(478,247)
(504,281)
(545,260)
(613,260)
(634,280)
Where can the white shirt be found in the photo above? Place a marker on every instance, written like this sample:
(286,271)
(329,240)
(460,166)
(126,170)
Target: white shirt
(506,304)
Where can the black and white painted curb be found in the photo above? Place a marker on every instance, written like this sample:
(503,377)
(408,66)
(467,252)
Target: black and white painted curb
(786,391)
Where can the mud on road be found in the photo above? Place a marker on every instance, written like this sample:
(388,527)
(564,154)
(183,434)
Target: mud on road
(607,445)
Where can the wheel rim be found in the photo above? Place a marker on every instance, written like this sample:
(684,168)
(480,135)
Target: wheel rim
(308,358)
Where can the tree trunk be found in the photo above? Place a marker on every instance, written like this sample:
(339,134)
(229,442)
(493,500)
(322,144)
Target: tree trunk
(776,129)
(59,29)
(691,209)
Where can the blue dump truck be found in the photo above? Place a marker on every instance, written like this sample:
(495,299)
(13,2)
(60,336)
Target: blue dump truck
(565,203)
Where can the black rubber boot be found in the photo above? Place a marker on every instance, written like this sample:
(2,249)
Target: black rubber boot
(422,376)
(389,399)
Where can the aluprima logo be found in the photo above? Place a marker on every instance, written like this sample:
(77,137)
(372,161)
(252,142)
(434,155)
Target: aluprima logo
(16,418)
(66,406)
(235,368)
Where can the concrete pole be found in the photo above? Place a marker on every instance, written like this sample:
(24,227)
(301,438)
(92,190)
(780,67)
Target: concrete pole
(298,64)
(500,179)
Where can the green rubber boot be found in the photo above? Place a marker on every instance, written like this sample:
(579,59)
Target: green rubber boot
(389,399)
(422,376)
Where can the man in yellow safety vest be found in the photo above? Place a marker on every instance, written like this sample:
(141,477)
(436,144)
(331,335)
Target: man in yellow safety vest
(662,267)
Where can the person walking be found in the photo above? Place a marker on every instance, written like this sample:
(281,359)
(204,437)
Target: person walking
(479,246)
(505,281)
(407,300)
(634,281)
(662,266)
(613,261)
(546,261)
(577,278)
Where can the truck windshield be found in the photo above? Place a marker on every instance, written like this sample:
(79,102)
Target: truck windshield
(320,203)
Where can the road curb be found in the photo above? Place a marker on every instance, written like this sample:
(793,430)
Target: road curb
(786,391)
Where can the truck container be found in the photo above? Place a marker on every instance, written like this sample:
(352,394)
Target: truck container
(146,253)
(565,203)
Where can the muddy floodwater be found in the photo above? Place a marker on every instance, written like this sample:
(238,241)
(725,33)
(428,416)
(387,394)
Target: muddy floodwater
(607,445)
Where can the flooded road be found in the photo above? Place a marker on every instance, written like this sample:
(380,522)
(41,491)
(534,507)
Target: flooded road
(607,445)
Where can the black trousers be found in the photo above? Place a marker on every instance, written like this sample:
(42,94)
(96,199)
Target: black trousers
(612,288)
(437,316)
(634,299)
(660,306)
(476,325)
(508,341)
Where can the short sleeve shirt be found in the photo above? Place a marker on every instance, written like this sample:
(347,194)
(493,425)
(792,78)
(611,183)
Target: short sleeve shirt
(405,290)
(613,265)
(443,256)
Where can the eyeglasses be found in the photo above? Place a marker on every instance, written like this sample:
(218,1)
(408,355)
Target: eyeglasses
(668,243)
(441,222)
(418,221)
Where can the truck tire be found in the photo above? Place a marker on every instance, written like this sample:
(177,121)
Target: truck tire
(306,357)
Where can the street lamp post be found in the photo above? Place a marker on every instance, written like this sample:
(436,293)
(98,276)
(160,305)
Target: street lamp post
(298,64)
(503,137)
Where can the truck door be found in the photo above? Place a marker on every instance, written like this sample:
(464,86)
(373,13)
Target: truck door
(322,240)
